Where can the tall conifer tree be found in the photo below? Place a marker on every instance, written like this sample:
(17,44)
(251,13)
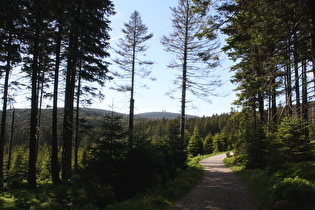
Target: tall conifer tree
(195,55)
(130,49)
(87,44)
(9,56)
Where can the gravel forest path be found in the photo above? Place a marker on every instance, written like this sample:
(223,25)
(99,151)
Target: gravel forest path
(220,189)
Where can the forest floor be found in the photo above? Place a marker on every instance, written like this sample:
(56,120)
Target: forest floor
(220,189)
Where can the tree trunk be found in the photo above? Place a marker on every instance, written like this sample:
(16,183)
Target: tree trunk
(132,101)
(311,11)
(274,101)
(68,122)
(261,107)
(54,147)
(69,102)
(183,104)
(34,106)
(40,89)
(272,110)
(4,111)
(11,141)
(296,77)
(254,116)
(288,84)
(67,128)
(304,99)
(76,143)
(73,52)
(184,83)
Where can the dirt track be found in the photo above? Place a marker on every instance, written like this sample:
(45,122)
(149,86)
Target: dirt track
(220,189)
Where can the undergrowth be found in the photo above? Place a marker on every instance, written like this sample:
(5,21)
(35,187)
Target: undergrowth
(292,187)
(66,196)
(168,193)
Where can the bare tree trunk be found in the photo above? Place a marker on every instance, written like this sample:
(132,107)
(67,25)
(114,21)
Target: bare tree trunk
(67,133)
(34,107)
(68,110)
(11,141)
(4,111)
(184,83)
(272,104)
(311,9)
(69,96)
(261,107)
(288,86)
(76,143)
(254,116)
(304,99)
(274,101)
(132,101)
(296,77)
(40,90)
(54,146)
(68,123)
(183,104)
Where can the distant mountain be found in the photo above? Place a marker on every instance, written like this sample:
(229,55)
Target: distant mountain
(92,112)
(160,115)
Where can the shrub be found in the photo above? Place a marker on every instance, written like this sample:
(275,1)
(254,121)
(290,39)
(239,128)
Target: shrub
(142,169)
(93,194)
(18,172)
(298,192)
(303,170)
(290,138)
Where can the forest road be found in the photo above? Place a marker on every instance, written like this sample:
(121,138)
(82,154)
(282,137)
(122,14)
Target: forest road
(220,189)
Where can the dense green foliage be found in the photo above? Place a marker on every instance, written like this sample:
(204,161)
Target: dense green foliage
(273,46)
(291,186)
(96,197)
(114,172)
(195,144)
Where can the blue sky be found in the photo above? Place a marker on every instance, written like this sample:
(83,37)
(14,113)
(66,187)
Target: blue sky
(157,16)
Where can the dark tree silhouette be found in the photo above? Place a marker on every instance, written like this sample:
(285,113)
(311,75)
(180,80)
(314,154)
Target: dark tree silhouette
(130,48)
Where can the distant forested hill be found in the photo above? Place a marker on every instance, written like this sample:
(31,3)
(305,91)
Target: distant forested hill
(24,114)
(160,115)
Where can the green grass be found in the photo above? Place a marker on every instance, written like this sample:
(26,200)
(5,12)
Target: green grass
(44,197)
(257,181)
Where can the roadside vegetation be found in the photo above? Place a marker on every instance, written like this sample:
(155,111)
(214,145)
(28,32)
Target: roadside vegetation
(156,172)
(290,187)
(170,192)
(72,196)
(53,51)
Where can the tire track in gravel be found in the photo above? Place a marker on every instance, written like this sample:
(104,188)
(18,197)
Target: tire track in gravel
(220,189)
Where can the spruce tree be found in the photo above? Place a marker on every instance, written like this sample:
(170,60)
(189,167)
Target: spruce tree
(208,144)
(35,19)
(87,36)
(58,14)
(195,145)
(131,50)
(195,55)
(10,57)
